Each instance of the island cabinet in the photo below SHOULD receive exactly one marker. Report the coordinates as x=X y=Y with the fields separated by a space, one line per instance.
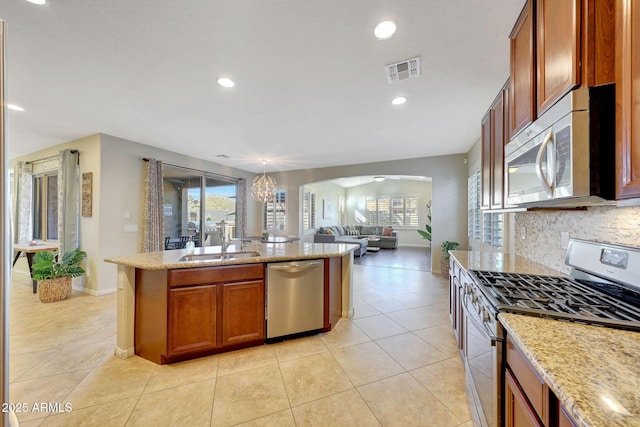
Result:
x=185 y=313
x=628 y=99
x=528 y=399
x=557 y=45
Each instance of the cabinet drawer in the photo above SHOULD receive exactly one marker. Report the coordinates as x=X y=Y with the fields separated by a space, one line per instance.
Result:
x=535 y=389
x=232 y=273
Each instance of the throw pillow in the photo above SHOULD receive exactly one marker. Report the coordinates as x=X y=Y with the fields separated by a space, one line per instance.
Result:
x=330 y=232
x=340 y=229
x=387 y=231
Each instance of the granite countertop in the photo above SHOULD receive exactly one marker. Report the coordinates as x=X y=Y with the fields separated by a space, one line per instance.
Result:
x=594 y=371
x=269 y=252
x=504 y=263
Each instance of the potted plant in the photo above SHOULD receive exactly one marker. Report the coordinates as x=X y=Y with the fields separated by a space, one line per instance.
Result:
x=54 y=275
x=444 y=259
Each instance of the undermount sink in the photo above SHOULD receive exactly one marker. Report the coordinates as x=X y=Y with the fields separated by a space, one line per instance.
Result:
x=218 y=257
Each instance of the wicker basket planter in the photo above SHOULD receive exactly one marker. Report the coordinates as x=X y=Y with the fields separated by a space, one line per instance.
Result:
x=444 y=265
x=51 y=290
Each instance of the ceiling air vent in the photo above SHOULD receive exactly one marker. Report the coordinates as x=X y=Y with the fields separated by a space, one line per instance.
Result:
x=403 y=70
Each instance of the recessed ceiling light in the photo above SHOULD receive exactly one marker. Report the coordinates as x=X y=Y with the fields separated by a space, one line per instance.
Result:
x=399 y=100
x=14 y=107
x=379 y=178
x=385 y=30
x=38 y=2
x=226 y=82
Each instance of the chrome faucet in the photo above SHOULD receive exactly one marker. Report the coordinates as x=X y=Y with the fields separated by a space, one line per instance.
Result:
x=223 y=236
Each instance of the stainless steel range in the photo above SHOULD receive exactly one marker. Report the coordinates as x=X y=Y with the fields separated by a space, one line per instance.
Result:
x=603 y=290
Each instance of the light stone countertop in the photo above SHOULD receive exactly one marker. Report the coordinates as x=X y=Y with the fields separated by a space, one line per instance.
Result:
x=504 y=263
x=269 y=252
x=594 y=371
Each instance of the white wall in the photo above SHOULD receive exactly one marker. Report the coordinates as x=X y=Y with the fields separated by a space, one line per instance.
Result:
x=449 y=191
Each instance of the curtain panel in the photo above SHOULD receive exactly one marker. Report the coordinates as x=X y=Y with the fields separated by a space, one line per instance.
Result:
x=241 y=208
x=24 y=204
x=153 y=219
x=69 y=200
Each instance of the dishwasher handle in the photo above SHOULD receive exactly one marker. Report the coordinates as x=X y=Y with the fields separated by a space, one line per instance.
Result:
x=295 y=267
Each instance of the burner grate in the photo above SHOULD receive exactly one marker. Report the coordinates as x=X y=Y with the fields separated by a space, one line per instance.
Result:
x=560 y=296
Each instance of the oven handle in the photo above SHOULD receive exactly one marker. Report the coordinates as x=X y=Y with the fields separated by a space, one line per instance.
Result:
x=548 y=187
x=483 y=327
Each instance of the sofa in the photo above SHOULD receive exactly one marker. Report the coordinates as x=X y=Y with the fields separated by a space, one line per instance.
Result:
x=386 y=237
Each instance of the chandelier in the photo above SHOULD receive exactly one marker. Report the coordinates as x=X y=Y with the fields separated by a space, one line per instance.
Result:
x=264 y=187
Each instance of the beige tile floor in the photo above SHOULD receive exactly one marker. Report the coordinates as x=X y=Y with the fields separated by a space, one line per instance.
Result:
x=394 y=364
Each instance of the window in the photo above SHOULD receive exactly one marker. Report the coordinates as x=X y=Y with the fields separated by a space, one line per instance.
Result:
x=45 y=207
x=309 y=210
x=474 y=230
x=488 y=226
x=195 y=204
x=392 y=210
x=493 y=229
x=275 y=212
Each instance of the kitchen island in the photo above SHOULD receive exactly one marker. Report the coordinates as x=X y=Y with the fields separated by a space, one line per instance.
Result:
x=173 y=307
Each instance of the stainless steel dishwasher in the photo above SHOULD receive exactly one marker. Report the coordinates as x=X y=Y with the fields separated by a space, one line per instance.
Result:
x=295 y=297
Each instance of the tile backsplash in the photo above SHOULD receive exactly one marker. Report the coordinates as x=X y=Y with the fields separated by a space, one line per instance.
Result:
x=538 y=234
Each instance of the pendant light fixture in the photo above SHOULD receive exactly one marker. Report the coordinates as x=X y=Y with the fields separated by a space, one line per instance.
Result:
x=264 y=187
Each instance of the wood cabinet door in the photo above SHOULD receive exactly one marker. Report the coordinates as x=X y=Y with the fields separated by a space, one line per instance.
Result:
x=558 y=50
x=486 y=167
x=522 y=110
x=497 y=151
x=627 y=99
x=192 y=319
x=518 y=411
x=242 y=312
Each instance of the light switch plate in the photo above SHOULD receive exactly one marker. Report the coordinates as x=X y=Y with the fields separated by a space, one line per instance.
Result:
x=131 y=228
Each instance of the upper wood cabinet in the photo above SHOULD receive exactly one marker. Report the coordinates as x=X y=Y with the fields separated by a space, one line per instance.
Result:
x=628 y=99
x=558 y=50
x=485 y=169
x=493 y=142
x=557 y=45
x=522 y=86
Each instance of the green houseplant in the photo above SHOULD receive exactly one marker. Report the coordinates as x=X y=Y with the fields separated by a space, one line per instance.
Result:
x=426 y=233
x=54 y=273
x=444 y=259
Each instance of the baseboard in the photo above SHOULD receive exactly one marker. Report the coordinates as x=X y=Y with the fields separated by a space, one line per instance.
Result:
x=123 y=353
x=413 y=246
x=94 y=292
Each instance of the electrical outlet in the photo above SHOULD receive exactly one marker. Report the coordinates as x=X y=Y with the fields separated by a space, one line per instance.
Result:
x=564 y=240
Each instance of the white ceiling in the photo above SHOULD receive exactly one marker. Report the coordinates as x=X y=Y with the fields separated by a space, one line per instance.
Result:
x=311 y=86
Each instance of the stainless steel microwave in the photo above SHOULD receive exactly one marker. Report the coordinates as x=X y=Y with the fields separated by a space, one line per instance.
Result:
x=567 y=156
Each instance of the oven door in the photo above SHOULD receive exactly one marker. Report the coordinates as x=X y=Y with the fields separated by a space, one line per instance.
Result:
x=483 y=364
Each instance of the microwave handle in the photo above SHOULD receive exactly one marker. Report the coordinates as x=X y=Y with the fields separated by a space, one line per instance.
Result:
x=541 y=176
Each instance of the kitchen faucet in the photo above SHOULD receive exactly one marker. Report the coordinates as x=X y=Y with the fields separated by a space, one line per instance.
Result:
x=223 y=236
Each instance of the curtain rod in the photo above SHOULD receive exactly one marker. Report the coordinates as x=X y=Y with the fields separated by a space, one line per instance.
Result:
x=146 y=159
x=44 y=159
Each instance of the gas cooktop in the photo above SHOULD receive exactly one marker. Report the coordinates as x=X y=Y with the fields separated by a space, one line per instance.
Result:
x=610 y=298
x=556 y=296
